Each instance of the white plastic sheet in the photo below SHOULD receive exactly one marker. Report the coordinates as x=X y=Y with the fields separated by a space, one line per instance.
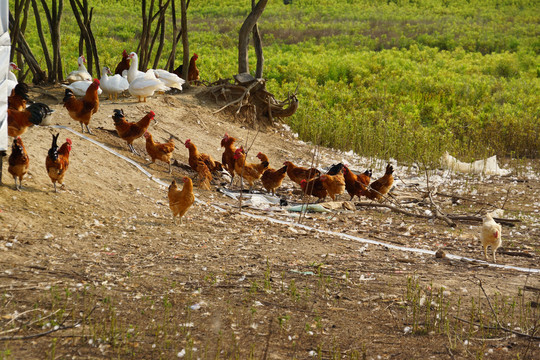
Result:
x=487 y=166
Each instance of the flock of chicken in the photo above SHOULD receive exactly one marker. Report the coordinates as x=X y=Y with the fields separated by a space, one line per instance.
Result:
x=338 y=179
x=81 y=100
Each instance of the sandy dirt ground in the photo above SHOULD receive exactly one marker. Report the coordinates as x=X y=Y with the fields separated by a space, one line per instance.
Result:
x=99 y=269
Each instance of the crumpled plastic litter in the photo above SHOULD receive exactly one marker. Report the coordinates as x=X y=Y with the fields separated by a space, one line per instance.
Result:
x=257 y=201
x=309 y=208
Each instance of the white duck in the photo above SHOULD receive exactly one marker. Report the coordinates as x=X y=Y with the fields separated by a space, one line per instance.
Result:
x=11 y=78
x=79 y=87
x=133 y=71
x=114 y=84
x=145 y=86
x=81 y=73
x=170 y=79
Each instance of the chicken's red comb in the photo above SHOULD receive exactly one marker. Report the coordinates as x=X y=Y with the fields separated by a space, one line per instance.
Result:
x=124 y=53
x=152 y=114
x=96 y=81
x=69 y=141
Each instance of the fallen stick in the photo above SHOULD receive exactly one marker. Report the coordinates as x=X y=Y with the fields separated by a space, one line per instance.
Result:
x=507 y=222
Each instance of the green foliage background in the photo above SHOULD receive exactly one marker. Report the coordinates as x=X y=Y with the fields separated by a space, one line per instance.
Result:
x=402 y=79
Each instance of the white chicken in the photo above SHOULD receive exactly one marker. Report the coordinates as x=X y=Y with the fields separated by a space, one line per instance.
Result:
x=490 y=235
x=145 y=86
x=113 y=85
x=79 y=87
x=11 y=78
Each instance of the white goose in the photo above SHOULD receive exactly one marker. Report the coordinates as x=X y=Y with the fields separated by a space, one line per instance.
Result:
x=114 y=84
x=79 y=87
x=81 y=73
x=133 y=71
x=145 y=86
x=170 y=79
x=11 y=78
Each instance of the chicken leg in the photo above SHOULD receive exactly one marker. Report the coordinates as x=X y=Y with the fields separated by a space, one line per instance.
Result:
x=17 y=187
x=132 y=149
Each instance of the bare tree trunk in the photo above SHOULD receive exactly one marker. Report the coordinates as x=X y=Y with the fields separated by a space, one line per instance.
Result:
x=19 y=26
x=243 y=38
x=185 y=42
x=160 y=25
x=142 y=49
x=177 y=35
x=147 y=42
x=23 y=48
x=42 y=38
x=169 y=66
x=19 y=6
x=55 y=39
x=56 y=75
x=20 y=58
x=257 y=44
x=161 y=41
x=87 y=38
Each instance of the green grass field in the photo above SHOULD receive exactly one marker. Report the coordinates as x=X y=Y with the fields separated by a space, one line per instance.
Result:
x=401 y=79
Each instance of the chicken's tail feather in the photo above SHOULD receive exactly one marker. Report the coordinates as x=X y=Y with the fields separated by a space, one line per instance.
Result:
x=68 y=94
x=218 y=166
x=53 y=151
x=335 y=169
x=21 y=89
x=38 y=112
x=282 y=170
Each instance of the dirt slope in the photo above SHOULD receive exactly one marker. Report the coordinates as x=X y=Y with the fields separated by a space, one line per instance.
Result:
x=223 y=284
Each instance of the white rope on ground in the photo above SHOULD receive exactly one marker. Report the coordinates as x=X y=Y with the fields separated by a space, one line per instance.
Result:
x=305 y=227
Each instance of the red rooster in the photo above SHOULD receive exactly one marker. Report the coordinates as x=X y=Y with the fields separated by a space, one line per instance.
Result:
x=18 y=162
x=82 y=109
x=57 y=161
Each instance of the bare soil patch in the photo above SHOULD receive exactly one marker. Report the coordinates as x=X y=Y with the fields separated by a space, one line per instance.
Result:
x=99 y=270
